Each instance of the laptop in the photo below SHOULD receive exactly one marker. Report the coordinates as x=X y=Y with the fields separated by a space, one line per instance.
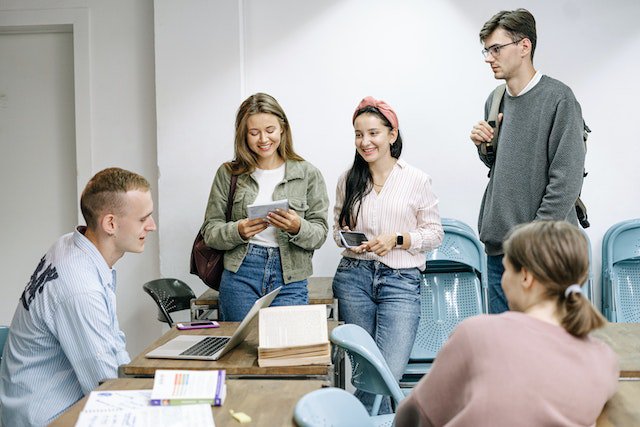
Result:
x=200 y=347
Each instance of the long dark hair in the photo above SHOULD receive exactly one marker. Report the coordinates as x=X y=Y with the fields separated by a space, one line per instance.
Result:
x=359 y=181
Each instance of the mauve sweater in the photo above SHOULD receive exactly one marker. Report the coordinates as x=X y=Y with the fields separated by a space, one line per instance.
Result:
x=511 y=369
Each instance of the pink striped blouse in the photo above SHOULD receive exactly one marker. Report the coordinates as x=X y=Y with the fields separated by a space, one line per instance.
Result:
x=406 y=203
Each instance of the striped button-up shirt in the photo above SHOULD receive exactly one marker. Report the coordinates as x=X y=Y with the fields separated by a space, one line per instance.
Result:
x=406 y=204
x=64 y=337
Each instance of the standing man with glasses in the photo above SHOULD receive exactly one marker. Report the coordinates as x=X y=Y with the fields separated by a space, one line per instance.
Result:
x=535 y=170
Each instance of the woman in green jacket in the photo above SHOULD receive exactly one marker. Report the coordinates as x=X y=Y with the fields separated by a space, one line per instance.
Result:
x=265 y=253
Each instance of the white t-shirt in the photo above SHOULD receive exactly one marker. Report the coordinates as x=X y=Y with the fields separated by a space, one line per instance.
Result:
x=267 y=180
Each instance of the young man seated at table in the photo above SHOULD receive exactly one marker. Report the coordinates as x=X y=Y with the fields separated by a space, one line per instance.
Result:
x=65 y=337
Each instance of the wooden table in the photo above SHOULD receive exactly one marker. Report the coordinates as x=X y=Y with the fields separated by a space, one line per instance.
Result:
x=241 y=362
x=320 y=292
x=624 y=339
x=267 y=402
x=623 y=409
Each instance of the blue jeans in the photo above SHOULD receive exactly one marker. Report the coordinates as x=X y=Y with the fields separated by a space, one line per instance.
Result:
x=497 y=299
x=259 y=274
x=386 y=303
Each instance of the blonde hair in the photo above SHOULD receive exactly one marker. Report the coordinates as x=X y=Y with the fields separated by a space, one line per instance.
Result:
x=246 y=160
x=103 y=193
x=556 y=253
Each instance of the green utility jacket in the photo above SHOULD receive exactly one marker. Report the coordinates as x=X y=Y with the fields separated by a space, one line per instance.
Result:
x=306 y=191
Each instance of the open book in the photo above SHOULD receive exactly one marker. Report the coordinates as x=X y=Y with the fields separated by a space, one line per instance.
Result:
x=130 y=408
x=293 y=335
x=188 y=387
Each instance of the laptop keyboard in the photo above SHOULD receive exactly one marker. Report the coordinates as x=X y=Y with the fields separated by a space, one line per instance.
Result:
x=207 y=347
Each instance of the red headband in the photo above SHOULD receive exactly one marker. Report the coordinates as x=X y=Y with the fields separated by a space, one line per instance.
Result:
x=382 y=106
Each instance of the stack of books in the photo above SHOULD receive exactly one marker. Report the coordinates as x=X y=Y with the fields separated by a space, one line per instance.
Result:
x=293 y=335
x=189 y=387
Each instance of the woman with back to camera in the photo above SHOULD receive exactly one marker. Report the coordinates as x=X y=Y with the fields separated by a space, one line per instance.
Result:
x=534 y=365
x=378 y=282
x=264 y=253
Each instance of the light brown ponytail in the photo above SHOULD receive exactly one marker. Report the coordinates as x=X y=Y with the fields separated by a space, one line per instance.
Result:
x=557 y=255
x=580 y=317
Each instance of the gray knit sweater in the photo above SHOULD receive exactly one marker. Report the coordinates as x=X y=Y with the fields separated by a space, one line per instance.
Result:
x=539 y=164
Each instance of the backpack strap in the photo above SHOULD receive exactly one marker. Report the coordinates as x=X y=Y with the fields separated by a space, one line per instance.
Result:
x=490 y=148
x=232 y=193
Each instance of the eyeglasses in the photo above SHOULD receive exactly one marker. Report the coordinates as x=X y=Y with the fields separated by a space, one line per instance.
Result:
x=495 y=49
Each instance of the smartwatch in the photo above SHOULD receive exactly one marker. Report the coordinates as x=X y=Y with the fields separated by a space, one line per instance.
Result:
x=399 y=240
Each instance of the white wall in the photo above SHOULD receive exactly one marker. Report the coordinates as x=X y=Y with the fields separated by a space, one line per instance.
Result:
x=423 y=57
x=121 y=118
x=319 y=59
x=29 y=95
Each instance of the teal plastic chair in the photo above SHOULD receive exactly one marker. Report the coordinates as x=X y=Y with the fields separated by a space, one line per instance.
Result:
x=4 y=333
x=457 y=223
x=169 y=295
x=369 y=370
x=337 y=408
x=454 y=287
x=621 y=272
x=587 y=286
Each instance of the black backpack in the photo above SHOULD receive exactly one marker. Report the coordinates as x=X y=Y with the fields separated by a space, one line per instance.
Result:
x=490 y=148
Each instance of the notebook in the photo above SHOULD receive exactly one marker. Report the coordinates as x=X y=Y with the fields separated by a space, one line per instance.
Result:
x=201 y=347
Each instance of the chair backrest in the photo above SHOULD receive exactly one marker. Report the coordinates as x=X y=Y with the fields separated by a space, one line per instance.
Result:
x=460 y=250
x=621 y=272
x=587 y=287
x=456 y=223
x=330 y=407
x=369 y=370
x=446 y=299
x=451 y=290
x=4 y=333
x=170 y=295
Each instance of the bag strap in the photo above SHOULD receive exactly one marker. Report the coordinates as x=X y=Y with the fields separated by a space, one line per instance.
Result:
x=232 y=193
x=490 y=148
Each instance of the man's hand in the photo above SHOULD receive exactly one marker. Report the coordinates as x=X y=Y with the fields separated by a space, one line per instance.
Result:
x=482 y=132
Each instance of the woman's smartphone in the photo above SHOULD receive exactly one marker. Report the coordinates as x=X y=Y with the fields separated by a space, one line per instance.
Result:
x=352 y=239
x=198 y=325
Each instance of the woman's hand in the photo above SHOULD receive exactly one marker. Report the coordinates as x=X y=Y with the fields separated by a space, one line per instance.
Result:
x=250 y=227
x=382 y=244
x=359 y=249
x=288 y=221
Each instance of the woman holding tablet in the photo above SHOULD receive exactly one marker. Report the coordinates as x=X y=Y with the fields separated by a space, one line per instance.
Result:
x=266 y=252
x=377 y=282
x=535 y=365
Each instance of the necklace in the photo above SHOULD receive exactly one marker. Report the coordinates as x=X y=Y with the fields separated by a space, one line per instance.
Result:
x=377 y=185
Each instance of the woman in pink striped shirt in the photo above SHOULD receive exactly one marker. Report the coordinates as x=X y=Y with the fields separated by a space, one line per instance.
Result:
x=378 y=283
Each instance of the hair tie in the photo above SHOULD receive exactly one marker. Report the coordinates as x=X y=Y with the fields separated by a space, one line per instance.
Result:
x=384 y=108
x=575 y=288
